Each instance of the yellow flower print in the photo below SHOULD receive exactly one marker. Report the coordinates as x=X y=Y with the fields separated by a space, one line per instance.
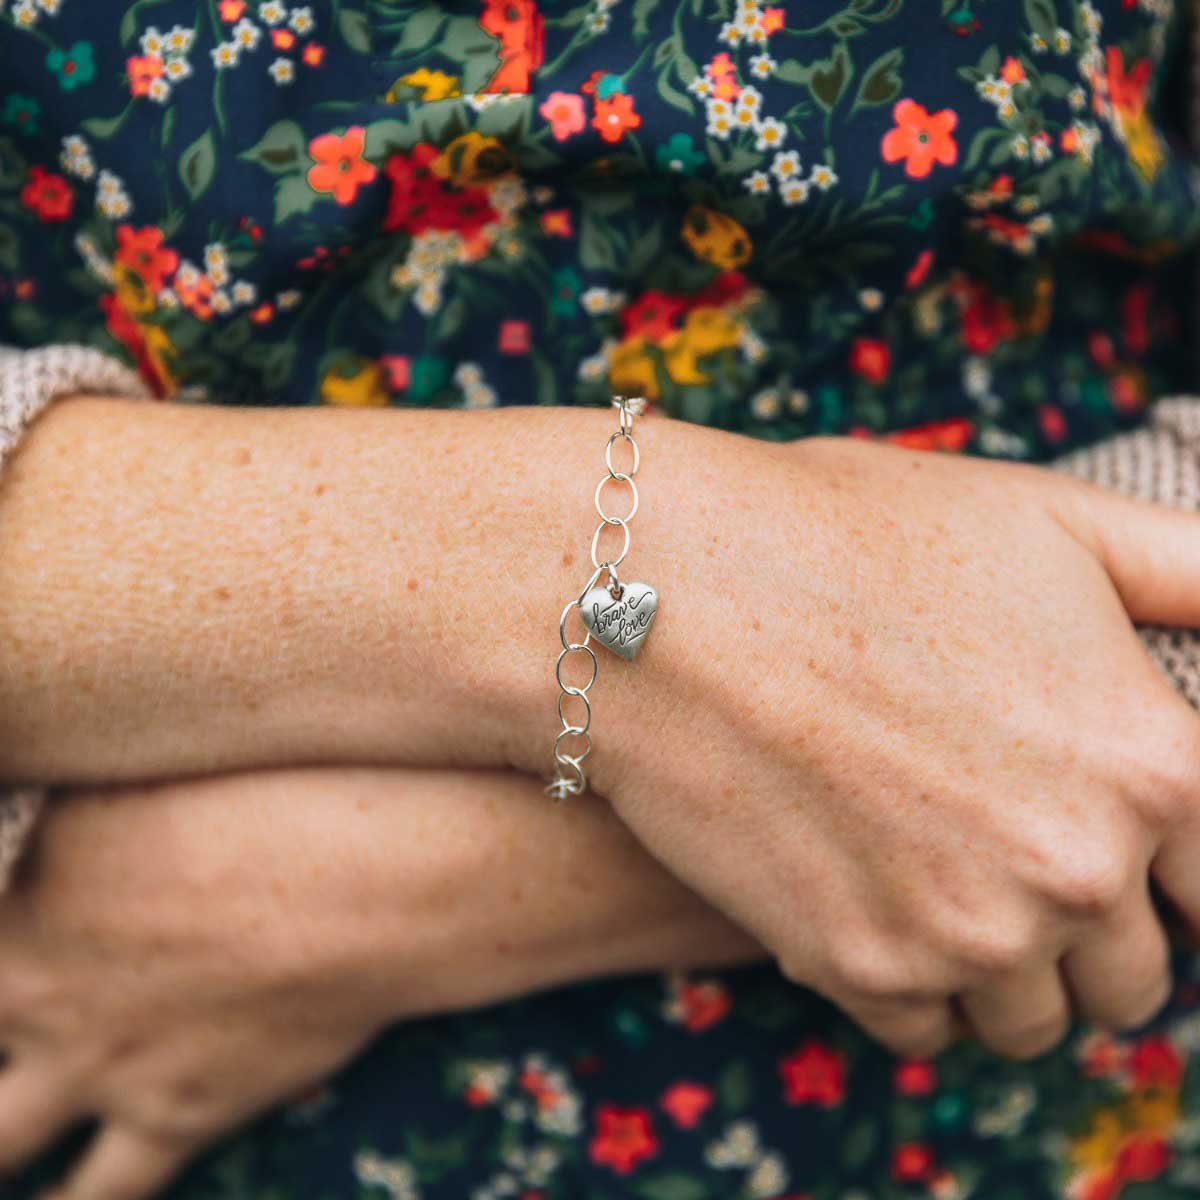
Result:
x=631 y=369
x=472 y=159
x=433 y=85
x=362 y=389
x=136 y=299
x=706 y=330
x=1154 y=1111
x=715 y=237
x=1100 y=1146
x=1145 y=148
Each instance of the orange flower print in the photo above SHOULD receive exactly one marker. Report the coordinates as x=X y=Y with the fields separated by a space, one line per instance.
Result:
x=615 y=116
x=143 y=72
x=920 y=138
x=521 y=30
x=340 y=167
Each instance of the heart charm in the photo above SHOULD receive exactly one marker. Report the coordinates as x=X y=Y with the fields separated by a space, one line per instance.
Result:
x=621 y=625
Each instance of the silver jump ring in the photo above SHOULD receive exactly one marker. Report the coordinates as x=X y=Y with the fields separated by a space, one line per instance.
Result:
x=637 y=455
x=571 y=689
x=587 y=704
x=618 y=477
x=596 y=541
x=562 y=628
x=572 y=731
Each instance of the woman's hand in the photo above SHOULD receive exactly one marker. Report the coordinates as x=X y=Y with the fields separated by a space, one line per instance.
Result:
x=177 y=958
x=894 y=719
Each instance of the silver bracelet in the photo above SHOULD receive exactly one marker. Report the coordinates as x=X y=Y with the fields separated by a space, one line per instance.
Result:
x=616 y=614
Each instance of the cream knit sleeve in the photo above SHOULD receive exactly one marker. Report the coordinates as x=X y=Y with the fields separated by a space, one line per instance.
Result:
x=29 y=381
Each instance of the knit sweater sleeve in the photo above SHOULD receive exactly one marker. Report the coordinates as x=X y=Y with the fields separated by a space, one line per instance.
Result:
x=29 y=381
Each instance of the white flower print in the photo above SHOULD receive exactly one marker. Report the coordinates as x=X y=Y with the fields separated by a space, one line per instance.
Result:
x=282 y=70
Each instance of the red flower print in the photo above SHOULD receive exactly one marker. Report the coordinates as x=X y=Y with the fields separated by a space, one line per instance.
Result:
x=465 y=212
x=521 y=30
x=478 y=1096
x=912 y=1162
x=721 y=290
x=914 y=1077
x=1126 y=90
x=24 y=289
x=48 y=196
x=654 y=315
x=416 y=191
x=1143 y=1157
x=920 y=138
x=1053 y=424
x=1100 y=347
x=514 y=337
x=556 y=222
x=263 y=313
x=398 y=370
x=1135 y=308
x=564 y=112
x=314 y=55
x=231 y=10
x=685 y=1103
x=772 y=20
x=703 y=1005
x=1102 y=1184
x=919 y=271
x=615 y=116
x=143 y=252
x=986 y=321
x=126 y=330
x=1128 y=390
x=340 y=167
x=815 y=1074
x=1156 y=1064
x=624 y=1137
x=870 y=358
x=950 y=435
x=282 y=39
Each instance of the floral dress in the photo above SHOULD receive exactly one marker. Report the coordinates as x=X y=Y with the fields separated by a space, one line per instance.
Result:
x=963 y=225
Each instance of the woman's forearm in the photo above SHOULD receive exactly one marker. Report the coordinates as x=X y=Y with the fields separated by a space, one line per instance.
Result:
x=195 y=588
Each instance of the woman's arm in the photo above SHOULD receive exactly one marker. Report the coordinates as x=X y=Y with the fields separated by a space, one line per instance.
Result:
x=189 y=589
x=294 y=914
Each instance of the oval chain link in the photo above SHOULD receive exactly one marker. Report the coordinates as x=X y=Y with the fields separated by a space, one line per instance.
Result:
x=569 y=778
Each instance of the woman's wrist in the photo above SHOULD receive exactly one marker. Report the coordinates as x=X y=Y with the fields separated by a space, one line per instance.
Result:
x=195 y=588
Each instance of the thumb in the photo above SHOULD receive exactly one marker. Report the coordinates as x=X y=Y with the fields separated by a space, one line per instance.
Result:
x=1150 y=551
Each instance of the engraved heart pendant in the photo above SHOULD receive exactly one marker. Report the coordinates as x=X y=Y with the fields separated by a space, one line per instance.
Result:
x=622 y=624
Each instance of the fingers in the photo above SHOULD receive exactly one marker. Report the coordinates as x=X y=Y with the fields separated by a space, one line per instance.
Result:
x=122 y=1164
x=34 y=1114
x=1121 y=975
x=910 y=1028
x=1150 y=551
x=1021 y=1014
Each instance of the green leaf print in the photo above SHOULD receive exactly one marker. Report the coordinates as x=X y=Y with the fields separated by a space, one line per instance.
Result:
x=1041 y=17
x=197 y=163
x=281 y=149
x=293 y=196
x=881 y=83
x=674 y=1185
x=355 y=31
x=828 y=78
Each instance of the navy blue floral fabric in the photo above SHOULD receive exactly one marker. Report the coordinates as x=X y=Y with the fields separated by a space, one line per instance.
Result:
x=962 y=225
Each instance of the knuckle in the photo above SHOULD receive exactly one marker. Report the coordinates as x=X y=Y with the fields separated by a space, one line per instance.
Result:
x=1138 y=1010
x=1090 y=883
x=863 y=968
x=991 y=949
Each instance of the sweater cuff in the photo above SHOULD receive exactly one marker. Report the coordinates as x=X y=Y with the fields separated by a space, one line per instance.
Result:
x=29 y=381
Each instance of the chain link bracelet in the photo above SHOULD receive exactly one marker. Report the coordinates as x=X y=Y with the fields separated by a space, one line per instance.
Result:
x=616 y=614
